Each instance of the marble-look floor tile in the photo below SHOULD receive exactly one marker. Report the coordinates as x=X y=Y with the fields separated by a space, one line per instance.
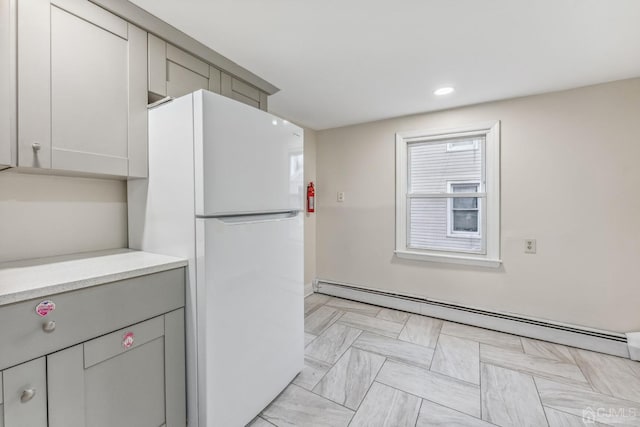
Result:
x=434 y=415
x=562 y=419
x=486 y=336
x=259 y=422
x=421 y=330
x=349 y=380
x=312 y=373
x=321 y=319
x=547 y=349
x=509 y=398
x=298 y=407
x=393 y=315
x=397 y=350
x=458 y=358
x=432 y=386
x=588 y=404
x=387 y=407
x=610 y=375
x=332 y=344
x=534 y=365
x=308 y=338
x=371 y=324
x=354 y=307
x=313 y=302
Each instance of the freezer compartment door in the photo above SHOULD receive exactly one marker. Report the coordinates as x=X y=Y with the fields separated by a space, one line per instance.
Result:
x=246 y=160
x=250 y=313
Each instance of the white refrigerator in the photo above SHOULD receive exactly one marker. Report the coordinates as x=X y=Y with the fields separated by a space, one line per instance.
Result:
x=225 y=190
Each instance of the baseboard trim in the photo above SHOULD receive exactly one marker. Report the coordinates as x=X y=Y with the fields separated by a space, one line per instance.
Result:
x=572 y=335
x=308 y=289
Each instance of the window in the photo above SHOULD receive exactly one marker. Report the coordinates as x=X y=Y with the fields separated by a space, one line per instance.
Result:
x=447 y=190
x=463 y=213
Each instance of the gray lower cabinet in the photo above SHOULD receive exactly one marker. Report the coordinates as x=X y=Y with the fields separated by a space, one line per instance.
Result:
x=133 y=377
x=106 y=355
x=23 y=401
x=81 y=89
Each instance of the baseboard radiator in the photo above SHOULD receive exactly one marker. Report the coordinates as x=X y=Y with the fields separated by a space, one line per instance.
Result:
x=571 y=335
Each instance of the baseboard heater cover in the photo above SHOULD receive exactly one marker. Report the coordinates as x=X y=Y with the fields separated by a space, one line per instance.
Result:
x=633 y=339
x=575 y=336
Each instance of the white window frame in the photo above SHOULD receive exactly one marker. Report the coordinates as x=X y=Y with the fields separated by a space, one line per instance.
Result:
x=490 y=192
x=465 y=234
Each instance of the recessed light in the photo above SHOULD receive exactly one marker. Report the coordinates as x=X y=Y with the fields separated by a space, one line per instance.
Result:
x=444 y=91
x=274 y=122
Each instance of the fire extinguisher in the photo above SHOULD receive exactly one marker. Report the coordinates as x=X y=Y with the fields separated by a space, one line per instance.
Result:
x=311 y=198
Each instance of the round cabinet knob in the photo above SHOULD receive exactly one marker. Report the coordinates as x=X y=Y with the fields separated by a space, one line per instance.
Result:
x=49 y=326
x=27 y=395
x=35 y=146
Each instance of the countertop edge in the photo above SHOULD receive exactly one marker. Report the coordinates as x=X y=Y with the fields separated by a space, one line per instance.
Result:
x=58 y=288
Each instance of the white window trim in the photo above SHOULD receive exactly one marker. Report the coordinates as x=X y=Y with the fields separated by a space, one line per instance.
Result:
x=464 y=234
x=491 y=220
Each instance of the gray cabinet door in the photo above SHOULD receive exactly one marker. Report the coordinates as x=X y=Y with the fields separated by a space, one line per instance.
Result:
x=7 y=84
x=157 y=67
x=174 y=72
x=132 y=377
x=24 y=395
x=89 y=66
x=243 y=92
x=181 y=80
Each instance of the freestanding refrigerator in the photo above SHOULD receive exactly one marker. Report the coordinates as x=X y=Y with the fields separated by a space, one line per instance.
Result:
x=225 y=190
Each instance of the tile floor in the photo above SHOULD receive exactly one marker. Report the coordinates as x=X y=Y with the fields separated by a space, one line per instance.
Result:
x=371 y=366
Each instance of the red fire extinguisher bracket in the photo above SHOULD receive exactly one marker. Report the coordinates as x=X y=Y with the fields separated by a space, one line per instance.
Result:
x=311 y=198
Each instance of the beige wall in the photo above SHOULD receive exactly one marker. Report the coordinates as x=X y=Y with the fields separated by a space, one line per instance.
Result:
x=52 y=215
x=570 y=177
x=310 y=218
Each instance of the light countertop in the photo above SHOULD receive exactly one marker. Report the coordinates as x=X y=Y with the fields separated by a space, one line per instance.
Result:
x=36 y=278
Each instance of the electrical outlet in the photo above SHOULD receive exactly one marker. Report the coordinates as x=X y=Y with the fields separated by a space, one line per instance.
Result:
x=530 y=246
x=341 y=196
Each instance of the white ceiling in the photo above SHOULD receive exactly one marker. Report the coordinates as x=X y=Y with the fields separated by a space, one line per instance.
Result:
x=339 y=62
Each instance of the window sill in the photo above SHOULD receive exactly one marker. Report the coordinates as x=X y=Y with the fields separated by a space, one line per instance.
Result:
x=450 y=259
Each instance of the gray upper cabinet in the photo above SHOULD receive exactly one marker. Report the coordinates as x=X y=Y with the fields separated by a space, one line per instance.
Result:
x=243 y=92
x=174 y=72
x=81 y=89
x=185 y=73
x=76 y=77
x=25 y=395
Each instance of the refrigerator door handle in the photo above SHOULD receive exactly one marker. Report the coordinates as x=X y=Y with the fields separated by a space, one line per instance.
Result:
x=255 y=218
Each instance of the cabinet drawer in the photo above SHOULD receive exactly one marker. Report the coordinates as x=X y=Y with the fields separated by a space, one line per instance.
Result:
x=84 y=314
x=111 y=345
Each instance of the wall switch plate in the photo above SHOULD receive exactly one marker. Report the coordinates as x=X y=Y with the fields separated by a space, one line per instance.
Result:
x=530 y=246
x=341 y=196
